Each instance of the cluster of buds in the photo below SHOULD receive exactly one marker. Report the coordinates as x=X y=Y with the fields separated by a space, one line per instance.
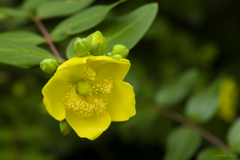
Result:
x=95 y=44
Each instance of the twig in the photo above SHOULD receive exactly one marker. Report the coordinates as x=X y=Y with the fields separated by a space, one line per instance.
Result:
x=202 y=132
x=47 y=37
x=199 y=130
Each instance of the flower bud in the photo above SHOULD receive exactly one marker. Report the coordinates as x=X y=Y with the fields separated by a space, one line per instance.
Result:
x=82 y=46
x=116 y=56
x=96 y=49
x=99 y=44
x=49 y=65
x=65 y=128
x=120 y=49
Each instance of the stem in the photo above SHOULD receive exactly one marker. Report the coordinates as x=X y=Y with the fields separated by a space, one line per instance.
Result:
x=47 y=37
x=184 y=121
x=202 y=132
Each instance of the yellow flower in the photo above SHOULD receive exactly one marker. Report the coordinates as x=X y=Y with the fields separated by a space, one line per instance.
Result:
x=89 y=93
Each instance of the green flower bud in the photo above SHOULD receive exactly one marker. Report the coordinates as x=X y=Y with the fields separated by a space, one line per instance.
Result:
x=65 y=128
x=120 y=49
x=116 y=56
x=99 y=43
x=97 y=49
x=82 y=46
x=49 y=65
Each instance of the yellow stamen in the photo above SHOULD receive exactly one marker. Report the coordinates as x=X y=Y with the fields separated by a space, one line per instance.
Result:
x=87 y=72
x=105 y=85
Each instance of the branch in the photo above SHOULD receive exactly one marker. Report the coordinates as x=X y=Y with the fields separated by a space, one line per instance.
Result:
x=202 y=132
x=47 y=37
x=184 y=121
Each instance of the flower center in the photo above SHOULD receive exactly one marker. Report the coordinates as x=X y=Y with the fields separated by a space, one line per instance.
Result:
x=83 y=108
x=85 y=88
x=83 y=98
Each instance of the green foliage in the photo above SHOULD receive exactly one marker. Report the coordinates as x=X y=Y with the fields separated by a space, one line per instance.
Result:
x=22 y=36
x=81 y=21
x=123 y=30
x=173 y=92
x=213 y=153
x=182 y=143
x=233 y=136
x=22 y=54
x=14 y=13
x=61 y=8
x=202 y=106
x=129 y=29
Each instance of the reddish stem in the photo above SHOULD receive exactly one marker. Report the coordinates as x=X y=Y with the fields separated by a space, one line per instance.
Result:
x=47 y=37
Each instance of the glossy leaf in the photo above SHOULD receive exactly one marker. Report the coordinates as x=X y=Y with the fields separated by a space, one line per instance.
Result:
x=129 y=29
x=213 y=153
x=182 y=143
x=233 y=136
x=61 y=8
x=172 y=93
x=22 y=36
x=22 y=55
x=203 y=105
x=81 y=21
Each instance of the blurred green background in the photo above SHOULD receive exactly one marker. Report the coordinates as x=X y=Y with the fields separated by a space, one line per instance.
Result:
x=188 y=47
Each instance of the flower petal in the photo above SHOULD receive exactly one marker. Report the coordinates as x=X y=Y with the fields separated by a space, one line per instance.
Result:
x=106 y=67
x=91 y=127
x=121 y=101
x=53 y=96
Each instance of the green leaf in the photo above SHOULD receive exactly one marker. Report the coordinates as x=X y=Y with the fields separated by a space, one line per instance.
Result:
x=31 y=5
x=202 y=106
x=14 y=12
x=173 y=92
x=213 y=153
x=61 y=8
x=182 y=143
x=22 y=55
x=81 y=21
x=129 y=29
x=22 y=36
x=233 y=136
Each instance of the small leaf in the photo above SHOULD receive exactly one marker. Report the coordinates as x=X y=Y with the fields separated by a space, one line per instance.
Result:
x=173 y=92
x=233 y=136
x=81 y=21
x=129 y=29
x=182 y=143
x=213 y=153
x=202 y=106
x=61 y=8
x=22 y=55
x=22 y=36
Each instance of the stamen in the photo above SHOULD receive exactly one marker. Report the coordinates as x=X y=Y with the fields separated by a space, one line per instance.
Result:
x=105 y=85
x=81 y=107
x=87 y=72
